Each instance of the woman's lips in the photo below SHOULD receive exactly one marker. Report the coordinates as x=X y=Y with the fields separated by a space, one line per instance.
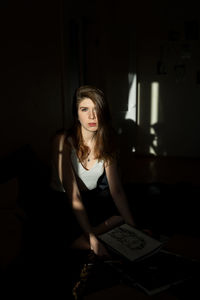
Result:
x=92 y=124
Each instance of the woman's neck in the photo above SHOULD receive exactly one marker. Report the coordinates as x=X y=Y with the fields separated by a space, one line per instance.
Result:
x=88 y=137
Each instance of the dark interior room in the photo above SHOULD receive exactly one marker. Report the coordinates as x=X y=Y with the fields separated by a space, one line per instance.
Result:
x=145 y=56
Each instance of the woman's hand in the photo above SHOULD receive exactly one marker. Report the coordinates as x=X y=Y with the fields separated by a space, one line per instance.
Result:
x=98 y=247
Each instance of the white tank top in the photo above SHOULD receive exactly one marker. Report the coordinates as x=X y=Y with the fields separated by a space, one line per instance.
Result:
x=88 y=177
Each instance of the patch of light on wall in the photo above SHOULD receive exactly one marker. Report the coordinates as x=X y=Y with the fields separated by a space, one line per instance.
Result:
x=154 y=112
x=138 y=104
x=131 y=112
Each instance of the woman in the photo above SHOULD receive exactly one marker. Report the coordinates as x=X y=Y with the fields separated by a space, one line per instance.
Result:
x=81 y=157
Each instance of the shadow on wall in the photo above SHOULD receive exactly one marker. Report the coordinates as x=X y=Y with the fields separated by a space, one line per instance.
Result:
x=132 y=141
x=160 y=143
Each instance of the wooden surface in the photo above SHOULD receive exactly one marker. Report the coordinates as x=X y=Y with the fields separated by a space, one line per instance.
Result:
x=180 y=244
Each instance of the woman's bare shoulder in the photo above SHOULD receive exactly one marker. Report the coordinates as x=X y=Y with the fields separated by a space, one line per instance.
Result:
x=110 y=162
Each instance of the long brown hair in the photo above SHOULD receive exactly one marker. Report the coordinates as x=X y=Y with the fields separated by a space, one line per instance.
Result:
x=105 y=145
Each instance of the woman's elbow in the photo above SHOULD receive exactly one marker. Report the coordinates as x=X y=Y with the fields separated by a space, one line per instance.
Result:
x=117 y=193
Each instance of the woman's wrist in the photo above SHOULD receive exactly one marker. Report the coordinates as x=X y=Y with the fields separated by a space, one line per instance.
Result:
x=92 y=241
x=92 y=236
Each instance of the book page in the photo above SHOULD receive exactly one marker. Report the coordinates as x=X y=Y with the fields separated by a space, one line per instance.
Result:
x=130 y=242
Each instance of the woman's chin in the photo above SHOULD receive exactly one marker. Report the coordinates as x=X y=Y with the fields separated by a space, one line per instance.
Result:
x=93 y=129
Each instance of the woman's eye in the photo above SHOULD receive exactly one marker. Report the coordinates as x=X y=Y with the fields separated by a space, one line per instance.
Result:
x=84 y=109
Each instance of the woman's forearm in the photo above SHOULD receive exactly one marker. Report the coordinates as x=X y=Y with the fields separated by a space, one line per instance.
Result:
x=81 y=215
x=123 y=207
x=88 y=231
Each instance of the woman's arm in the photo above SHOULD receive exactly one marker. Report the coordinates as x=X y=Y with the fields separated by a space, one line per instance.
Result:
x=62 y=153
x=117 y=192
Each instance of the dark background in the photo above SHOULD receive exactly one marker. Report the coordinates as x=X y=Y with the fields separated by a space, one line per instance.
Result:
x=48 y=48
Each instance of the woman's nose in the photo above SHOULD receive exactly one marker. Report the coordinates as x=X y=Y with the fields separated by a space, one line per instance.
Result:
x=92 y=115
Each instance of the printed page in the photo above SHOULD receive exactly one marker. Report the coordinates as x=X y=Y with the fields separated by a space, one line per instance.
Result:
x=130 y=242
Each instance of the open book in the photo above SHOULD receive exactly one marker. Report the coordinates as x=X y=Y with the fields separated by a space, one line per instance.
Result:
x=143 y=263
x=130 y=243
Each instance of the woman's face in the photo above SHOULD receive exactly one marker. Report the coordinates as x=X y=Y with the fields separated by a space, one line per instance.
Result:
x=87 y=115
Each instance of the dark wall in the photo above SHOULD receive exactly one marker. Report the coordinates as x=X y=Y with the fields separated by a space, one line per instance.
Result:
x=159 y=42
x=30 y=74
x=49 y=48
